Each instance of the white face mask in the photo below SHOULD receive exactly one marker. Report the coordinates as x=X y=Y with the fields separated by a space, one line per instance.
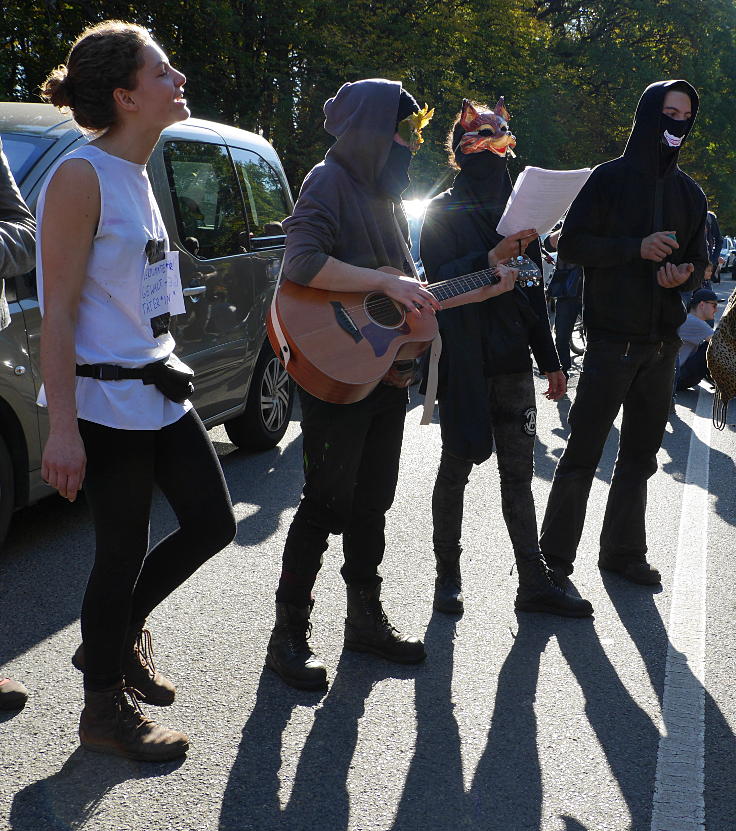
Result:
x=673 y=132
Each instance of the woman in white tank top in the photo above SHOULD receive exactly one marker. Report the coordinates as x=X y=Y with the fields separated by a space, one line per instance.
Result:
x=100 y=235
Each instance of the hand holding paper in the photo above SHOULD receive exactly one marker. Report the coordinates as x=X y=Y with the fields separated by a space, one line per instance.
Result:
x=539 y=198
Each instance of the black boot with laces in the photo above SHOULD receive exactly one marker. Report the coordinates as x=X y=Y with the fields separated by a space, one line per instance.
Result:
x=540 y=591
x=367 y=629
x=289 y=655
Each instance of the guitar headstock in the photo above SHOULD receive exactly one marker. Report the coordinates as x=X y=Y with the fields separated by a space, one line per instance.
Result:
x=529 y=273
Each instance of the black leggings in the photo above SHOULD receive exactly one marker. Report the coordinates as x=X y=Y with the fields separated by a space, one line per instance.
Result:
x=125 y=585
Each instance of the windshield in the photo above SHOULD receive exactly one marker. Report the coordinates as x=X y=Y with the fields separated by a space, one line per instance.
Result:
x=23 y=151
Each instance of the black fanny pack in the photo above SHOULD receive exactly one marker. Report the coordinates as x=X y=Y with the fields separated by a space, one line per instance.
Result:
x=171 y=379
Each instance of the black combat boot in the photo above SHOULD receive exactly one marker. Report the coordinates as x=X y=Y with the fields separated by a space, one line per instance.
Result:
x=289 y=655
x=539 y=591
x=448 y=586
x=367 y=629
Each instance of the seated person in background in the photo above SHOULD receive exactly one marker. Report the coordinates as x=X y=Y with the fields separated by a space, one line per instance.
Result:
x=695 y=333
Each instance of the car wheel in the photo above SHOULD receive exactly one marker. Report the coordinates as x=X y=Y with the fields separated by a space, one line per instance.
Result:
x=7 y=490
x=577 y=339
x=268 y=409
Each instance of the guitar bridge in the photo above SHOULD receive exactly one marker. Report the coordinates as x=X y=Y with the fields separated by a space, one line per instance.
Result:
x=345 y=322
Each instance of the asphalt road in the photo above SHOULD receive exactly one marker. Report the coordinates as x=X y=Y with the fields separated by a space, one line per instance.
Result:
x=514 y=723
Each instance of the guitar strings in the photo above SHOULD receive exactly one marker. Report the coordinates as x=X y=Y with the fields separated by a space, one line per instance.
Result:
x=474 y=280
x=386 y=303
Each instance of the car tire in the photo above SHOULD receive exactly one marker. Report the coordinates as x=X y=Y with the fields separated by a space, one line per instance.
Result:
x=267 y=413
x=7 y=490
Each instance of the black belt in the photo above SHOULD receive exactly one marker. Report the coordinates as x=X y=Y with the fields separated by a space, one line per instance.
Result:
x=108 y=372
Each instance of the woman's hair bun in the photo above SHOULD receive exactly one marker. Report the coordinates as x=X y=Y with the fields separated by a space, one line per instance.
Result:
x=55 y=89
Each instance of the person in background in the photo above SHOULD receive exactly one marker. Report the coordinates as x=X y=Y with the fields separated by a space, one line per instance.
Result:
x=568 y=303
x=101 y=238
x=695 y=333
x=638 y=229
x=17 y=255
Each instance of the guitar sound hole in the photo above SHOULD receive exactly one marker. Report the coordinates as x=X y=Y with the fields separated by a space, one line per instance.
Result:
x=383 y=311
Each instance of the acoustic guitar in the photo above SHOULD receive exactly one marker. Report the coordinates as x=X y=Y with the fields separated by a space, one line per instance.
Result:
x=338 y=345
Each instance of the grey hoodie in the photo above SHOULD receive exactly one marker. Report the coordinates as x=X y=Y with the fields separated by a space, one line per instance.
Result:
x=17 y=234
x=340 y=211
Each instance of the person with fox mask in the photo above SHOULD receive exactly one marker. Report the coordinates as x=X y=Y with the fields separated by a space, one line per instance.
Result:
x=486 y=388
x=638 y=229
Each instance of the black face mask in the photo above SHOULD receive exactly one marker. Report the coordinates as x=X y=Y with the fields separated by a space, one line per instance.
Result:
x=672 y=132
x=393 y=180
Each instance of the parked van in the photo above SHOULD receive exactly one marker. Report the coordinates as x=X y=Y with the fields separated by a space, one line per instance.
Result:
x=222 y=194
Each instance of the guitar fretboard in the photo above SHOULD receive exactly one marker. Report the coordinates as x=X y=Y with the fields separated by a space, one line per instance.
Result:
x=468 y=282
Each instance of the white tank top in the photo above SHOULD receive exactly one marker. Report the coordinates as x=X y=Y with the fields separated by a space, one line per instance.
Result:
x=110 y=325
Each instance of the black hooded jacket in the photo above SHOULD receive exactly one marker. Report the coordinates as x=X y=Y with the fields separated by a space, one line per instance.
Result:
x=479 y=339
x=615 y=210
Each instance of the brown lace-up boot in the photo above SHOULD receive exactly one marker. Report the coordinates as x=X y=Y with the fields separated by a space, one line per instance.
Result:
x=139 y=668
x=113 y=722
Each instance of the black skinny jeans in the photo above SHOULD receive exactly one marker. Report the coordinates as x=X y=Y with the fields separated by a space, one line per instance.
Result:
x=125 y=585
x=639 y=377
x=513 y=424
x=351 y=466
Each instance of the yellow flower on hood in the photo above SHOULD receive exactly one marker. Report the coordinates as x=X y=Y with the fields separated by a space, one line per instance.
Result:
x=410 y=129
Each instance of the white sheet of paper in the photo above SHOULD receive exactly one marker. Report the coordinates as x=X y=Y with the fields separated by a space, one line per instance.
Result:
x=539 y=199
x=161 y=288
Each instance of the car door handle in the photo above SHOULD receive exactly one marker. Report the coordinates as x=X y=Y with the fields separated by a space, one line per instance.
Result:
x=194 y=290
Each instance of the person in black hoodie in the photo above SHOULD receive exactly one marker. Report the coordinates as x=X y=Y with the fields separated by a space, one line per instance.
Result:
x=638 y=229
x=344 y=227
x=486 y=388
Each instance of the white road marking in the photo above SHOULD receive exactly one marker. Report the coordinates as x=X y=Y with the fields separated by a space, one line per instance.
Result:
x=679 y=803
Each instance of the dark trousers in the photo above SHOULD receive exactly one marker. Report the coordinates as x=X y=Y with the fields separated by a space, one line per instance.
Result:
x=351 y=466
x=513 y=424
x=125 y=585
x=639 y=377
x=567 y=310
x=695 y=368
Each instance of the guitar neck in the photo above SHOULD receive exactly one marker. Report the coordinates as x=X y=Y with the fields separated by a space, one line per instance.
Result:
x=528 y=276
x=460 y=285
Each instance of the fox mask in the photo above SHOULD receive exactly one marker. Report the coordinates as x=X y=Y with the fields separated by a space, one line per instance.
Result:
x=488 y=130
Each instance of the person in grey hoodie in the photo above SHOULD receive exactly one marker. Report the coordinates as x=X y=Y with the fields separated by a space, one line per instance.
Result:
x=344 y=227
x=17 y=255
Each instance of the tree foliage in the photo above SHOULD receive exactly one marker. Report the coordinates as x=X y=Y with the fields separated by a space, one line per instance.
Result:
x=571 y=72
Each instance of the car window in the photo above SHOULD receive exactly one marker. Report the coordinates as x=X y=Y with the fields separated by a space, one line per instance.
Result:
x=23 y=151
x=263 y=191
x=209 y=209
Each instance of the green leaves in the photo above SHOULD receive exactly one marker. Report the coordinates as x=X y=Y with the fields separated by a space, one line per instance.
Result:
x=571 y=72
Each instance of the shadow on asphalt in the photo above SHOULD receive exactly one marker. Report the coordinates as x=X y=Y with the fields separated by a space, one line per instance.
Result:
x=636 y=608
x=70 y=797
x=506 y=791
x=319 y=797
x=722 y=467
x=51 y=544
